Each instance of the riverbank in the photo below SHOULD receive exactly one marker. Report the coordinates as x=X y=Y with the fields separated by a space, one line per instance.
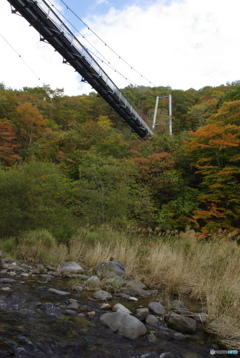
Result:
x=183 y=266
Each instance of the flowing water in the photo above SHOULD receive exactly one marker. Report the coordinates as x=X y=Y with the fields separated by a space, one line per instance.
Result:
x=34 y=323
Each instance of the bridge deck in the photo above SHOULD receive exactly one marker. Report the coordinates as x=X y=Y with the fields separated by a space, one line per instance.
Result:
x=52 y=29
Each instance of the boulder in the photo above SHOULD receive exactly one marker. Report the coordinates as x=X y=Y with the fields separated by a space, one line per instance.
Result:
x=108 y=269
x=118 y=307
x=116 y=281
x=93 y=281
x=136 y=284
x=157 y=308
x=124 y=324
x=152 y=320
x=135 y=291
x=181 y=323
x=142 y=313
x=179 y=307
x=69 y=267
x=102 y=295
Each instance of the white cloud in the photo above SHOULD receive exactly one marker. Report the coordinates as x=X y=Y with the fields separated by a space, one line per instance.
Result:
x=183 y=44
x=186 y=44
x=39 y=56
x=100 y=2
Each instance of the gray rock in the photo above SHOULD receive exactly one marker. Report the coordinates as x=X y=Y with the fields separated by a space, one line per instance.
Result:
x=5 y=289
x=178 y=336
x=108 y=269
x=166 y=333
x=123 y=295
x=134 y=291
x=181 y=323
x=169 y=355
x=73 y=305
x=102 y=295
x=152 y=320
x=69 y=267
x=58 y=292
x=117 y=280
x=157 y=308
x=47 y=276
x=136 y=284
x=201 y=317
x=118 y=307
x=124 y=324
x=12 y=266
x=7 y=280
x=93 y=281
x=105 y=306
x=179 y=307
x=142 y=313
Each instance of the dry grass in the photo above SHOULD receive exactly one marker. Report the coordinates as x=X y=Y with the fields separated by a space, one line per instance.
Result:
x=176 y=264
x=106 y=245
x=209 y=272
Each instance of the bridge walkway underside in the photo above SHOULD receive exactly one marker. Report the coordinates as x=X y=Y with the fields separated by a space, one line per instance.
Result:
x=53 y=30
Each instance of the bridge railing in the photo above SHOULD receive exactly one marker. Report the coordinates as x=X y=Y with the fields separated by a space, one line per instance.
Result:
x=84 y=53
x=41 y=15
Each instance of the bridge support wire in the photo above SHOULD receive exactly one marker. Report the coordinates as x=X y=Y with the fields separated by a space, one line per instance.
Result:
x=53 y=30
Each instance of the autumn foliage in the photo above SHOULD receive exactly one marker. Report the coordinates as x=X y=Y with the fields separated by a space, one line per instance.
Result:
x=113 y=177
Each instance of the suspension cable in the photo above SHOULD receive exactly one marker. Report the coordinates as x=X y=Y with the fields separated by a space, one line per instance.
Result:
x=103 y=59
x=115 y=53
x=26 y=64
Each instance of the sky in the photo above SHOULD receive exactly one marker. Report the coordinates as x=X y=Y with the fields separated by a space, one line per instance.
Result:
x=178 y=43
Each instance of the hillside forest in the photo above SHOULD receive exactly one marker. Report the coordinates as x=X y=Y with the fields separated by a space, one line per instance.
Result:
x=68 y=162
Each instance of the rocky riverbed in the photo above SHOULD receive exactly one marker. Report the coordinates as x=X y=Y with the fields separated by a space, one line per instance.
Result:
x=67 y=311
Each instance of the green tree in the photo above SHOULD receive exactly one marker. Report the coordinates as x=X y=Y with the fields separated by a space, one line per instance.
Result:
x=107 y=192
x=35 y=196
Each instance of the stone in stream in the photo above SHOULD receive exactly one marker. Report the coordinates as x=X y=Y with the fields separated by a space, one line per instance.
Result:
x=12 y=266
x=108 y=269
x=181 y=323
x=73 y=305
x=7 y=280
x=58 y=292
x=118 y=307
x=124 y=324
x=102 y=295
x=157 y=308
x=179 y=307
x=69 y=267
x=142 y=313
x=92 y=281
x=152 y=320
x=105 y=306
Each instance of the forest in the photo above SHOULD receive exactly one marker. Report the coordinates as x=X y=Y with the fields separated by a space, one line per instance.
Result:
x=68 y=162
x=76 y=184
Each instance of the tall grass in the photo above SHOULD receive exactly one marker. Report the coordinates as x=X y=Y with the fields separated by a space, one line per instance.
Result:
x=179 y=264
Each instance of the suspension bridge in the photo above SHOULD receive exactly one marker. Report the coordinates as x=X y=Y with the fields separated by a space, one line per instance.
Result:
x=53 y=30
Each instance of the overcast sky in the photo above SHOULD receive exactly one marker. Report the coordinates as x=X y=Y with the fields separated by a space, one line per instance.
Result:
x=178 y=43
